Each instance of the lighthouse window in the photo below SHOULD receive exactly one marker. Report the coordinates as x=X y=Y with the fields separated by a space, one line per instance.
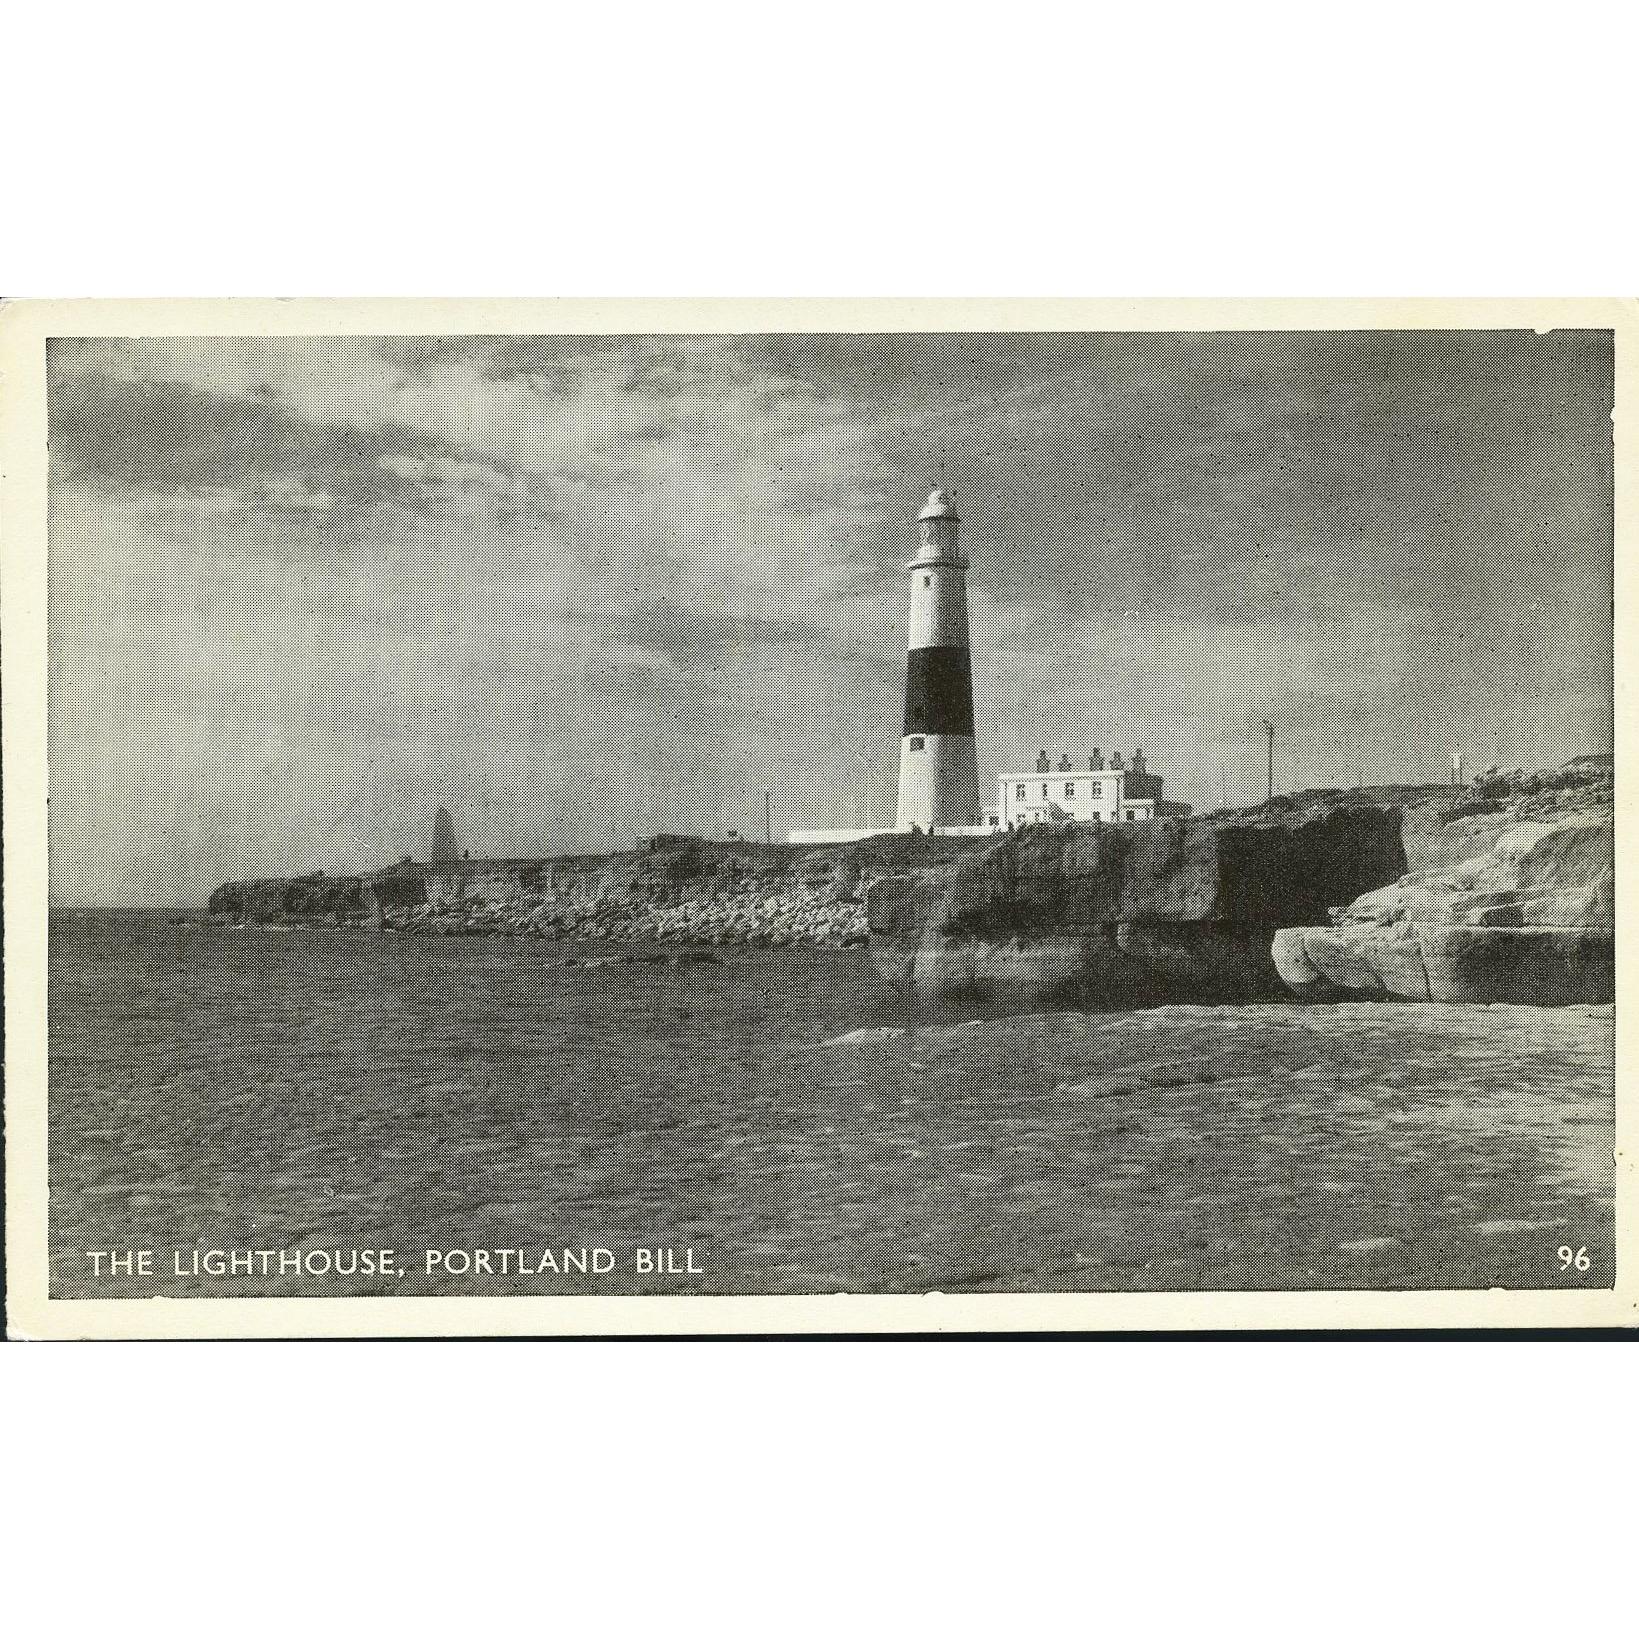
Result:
x=916 y=742
x=927 y=580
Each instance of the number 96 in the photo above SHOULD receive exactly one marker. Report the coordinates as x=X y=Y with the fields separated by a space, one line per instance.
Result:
x=1577 y=1259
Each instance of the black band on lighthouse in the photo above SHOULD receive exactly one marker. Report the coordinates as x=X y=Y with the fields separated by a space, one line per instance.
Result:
x=938 y=692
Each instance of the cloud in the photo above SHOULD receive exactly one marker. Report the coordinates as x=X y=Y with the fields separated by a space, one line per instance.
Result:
x=165 y=439
x=563 y=582
x=693 y=641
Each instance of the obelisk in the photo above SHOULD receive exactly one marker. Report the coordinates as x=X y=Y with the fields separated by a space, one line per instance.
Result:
x=444 y=850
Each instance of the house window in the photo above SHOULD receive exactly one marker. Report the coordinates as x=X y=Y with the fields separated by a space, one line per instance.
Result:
x=1098 y=788
x=916 y=744
x=1044 y=790
x=1069 y=789
x=1129 y=813
x=927 y=580
x=1019 y=793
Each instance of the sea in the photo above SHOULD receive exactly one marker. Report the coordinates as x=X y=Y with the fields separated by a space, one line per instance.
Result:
x=319 y=1090
x=344 y=1112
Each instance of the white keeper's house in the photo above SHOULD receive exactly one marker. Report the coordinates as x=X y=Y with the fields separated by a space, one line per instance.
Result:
x=1102 y=793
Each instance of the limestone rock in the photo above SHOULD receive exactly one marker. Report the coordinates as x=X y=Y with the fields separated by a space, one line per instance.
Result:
x=1535 y=875
x=1528 y=920
x=1430 y=962
x=1174 y=909
x=677 y=891
x=867 y=1034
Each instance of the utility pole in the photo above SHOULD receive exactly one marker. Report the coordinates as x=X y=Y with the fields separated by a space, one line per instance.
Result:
x=768 y=830
x=1269 y=732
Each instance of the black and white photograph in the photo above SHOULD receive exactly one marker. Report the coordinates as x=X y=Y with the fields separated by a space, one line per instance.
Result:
x=1011 y=811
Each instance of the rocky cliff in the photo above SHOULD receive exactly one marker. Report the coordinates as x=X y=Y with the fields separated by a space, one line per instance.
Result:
x=1512 y=900
x=677 y=890
x=1167 y=910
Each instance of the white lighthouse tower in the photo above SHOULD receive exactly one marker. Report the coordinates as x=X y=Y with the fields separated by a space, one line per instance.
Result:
x=938 y=766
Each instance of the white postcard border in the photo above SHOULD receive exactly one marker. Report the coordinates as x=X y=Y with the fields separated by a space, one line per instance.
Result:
x=24 y=328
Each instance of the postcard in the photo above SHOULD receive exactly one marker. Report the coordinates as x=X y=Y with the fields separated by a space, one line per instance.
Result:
x=790 y=817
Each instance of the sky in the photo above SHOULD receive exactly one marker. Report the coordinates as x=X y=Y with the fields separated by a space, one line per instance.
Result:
x=583 y=589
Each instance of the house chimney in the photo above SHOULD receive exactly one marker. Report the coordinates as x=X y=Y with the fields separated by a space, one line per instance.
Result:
x=1043 y=762
x=1115 y=759
x=1064 y=763
x=1097 y=758
x=1138 y=760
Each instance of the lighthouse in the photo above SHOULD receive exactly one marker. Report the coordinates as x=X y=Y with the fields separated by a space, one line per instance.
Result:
x=938 y=767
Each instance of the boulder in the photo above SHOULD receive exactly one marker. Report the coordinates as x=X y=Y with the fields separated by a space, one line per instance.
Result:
x=1530 y=919
x=1534 y=875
